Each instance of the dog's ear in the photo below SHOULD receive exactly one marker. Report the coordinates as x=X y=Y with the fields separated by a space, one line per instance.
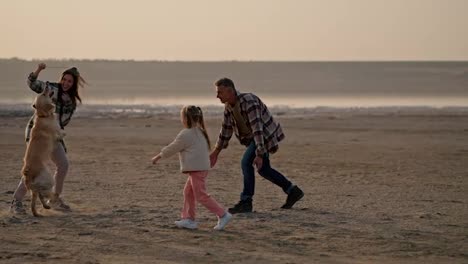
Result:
x=46 y=90
x=50 y=107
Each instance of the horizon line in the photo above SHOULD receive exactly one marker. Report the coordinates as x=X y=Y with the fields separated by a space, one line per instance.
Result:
x=227 y=60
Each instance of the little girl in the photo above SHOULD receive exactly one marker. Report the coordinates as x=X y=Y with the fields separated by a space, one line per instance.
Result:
x=193 y=146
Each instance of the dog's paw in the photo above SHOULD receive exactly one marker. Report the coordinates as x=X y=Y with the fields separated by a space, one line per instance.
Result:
x=37 y=215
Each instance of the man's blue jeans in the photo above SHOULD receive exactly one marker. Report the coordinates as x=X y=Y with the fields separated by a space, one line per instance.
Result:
x=266 y=171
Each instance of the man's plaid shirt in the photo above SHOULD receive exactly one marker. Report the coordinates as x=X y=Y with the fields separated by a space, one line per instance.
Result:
x=265 y=131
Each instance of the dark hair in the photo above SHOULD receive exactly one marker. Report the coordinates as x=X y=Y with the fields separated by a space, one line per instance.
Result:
x=78 y=81
x=194 y=117
x=226 y=82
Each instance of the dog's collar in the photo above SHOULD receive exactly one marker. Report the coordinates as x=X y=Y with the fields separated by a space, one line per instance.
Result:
x=44 y=115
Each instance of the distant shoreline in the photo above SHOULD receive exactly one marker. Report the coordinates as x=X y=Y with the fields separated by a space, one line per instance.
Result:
x=298 y=85
x=172 y=111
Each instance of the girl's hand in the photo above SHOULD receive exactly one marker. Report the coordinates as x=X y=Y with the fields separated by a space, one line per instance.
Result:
x=41 y=66
x=214 y=157
x=156 y=158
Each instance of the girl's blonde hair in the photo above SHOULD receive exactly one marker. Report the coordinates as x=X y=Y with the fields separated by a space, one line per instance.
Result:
x=193 y=117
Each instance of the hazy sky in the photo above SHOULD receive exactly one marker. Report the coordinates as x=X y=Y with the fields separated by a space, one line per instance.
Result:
x=235 y=30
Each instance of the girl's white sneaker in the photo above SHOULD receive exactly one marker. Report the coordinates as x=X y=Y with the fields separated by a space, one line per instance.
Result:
x=222 y=221
x=186 y=223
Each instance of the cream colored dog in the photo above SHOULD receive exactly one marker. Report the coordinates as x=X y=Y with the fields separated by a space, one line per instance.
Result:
x=45 y=135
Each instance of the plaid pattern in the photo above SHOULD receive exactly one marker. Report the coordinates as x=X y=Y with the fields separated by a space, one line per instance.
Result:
x=265 y=131
x=68 y=107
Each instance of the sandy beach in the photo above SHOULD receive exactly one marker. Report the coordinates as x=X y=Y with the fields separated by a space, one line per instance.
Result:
x=378 y=189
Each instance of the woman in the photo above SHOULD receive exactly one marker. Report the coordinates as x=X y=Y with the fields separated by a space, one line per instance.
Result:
x=65 y=96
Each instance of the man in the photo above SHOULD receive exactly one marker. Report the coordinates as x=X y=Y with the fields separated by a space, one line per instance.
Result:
x=254 y=126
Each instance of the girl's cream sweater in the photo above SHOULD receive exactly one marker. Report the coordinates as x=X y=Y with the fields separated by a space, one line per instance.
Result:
x=193 y=150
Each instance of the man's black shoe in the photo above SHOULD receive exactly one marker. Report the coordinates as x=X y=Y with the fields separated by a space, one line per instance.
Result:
x=295 y=195
x=241 y=207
